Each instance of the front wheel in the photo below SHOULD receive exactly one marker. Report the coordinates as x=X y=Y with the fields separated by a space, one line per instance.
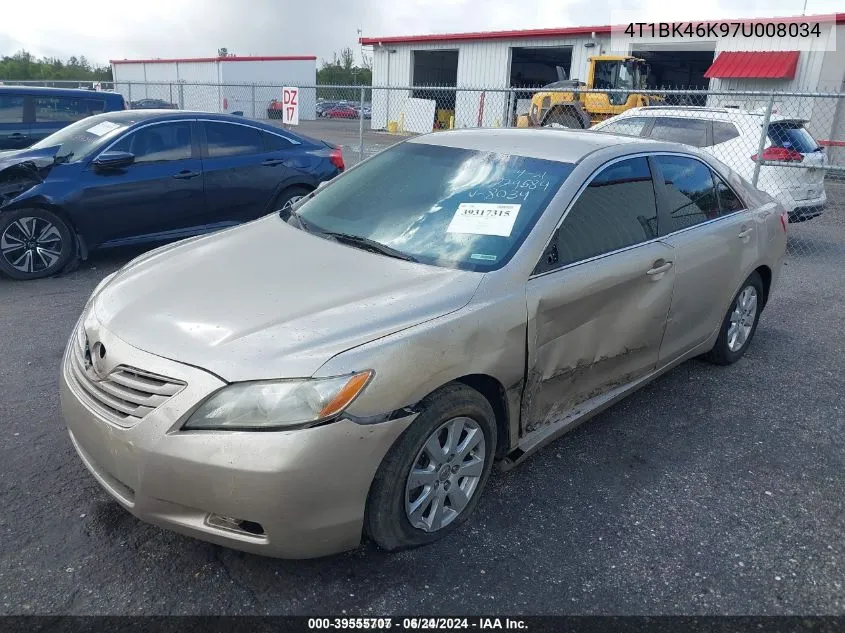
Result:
x=34 y=243
x=432 y=478
x=739 y=324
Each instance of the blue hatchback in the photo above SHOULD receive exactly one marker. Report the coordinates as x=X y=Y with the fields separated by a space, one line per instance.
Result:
x=29 y=114
x=146 y=176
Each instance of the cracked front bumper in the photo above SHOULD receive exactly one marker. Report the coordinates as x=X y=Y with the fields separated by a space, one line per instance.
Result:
x=306 y=489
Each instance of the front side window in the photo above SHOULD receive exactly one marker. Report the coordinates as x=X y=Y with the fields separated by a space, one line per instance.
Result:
x=11 y=109
x=616 y=210
x=446 y=206
x=688 y=131
x=156 y=143
x=689 y=192
x=60 y=109
x=228 y=139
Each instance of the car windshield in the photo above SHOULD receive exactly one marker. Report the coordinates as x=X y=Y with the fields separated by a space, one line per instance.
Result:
x=450 y=207
x=79 y=139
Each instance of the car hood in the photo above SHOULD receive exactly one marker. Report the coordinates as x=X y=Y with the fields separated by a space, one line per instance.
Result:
x=41 y=157
x=267 y=300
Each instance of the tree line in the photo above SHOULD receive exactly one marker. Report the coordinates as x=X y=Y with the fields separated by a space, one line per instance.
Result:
x=343 y=71
x=25 y=66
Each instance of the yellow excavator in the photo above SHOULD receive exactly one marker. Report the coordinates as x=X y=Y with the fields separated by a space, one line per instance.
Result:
x=564 y=104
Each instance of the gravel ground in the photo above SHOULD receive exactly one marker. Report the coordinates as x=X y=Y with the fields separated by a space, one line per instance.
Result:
x=711 y=491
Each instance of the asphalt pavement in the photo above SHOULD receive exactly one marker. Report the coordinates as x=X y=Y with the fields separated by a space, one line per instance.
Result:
x=714 y=490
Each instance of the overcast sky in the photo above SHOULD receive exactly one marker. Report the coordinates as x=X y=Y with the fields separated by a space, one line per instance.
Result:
x=104 y=29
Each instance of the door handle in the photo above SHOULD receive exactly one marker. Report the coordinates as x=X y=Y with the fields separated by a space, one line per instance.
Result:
x=657 y=270
x=272 y=162
x=745 y=233
x=17 y=135
x=185 y=174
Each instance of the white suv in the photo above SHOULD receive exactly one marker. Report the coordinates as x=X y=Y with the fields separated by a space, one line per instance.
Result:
x=733 y=136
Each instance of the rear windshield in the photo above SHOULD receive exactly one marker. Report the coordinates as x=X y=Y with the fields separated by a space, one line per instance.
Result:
x=792 y=135
x=450 y=207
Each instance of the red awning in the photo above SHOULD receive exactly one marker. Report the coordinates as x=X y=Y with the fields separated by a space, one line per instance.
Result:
x=754 y=65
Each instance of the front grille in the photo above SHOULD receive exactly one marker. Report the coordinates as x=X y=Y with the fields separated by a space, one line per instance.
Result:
x=126 y=395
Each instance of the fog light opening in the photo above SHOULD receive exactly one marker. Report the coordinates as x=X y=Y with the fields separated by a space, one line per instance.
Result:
x=235 y=525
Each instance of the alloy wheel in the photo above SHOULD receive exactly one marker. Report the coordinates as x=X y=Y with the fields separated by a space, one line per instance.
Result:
x=445 y=474
x=31 y=245
x=742 y=318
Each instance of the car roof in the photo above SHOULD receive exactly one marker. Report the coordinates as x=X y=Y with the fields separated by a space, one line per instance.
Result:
x=566 y=146
x=57 y=92
x=702 y=112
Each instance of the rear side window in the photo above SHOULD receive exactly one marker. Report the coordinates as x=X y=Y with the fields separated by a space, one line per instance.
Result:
x=62 y=109
x=628 y=126
x=729 y=202
x=95 y=106
x=688 y=131
x=163 y=142
x=723 y=132
x=617 y=209
x=11 y=109
x=274 y=142
x=792 y=135
x=690 y=192
x=226 y=139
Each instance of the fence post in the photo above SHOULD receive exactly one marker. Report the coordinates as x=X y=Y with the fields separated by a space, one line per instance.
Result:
x=130 y=91
x=253 y=101
x=171 y=92
x=361 y=127
x=764 y=131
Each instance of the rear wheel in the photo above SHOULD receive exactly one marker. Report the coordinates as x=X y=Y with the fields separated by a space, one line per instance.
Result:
x=34 y=243
x=739 y=324
x=290 y=197
x=431 y=480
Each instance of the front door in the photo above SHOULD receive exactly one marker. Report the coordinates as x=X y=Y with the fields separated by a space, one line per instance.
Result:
x=158 y=197
x=599 y=298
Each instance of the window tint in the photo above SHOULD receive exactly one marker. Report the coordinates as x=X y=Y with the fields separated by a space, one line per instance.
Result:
x=226 y=139
x=274 y=142
x=689 y=192
x=95 y=106
x=617 y=209
x=792 y=135
x=728 y=200
x=60 y=109
x=11 y=109
x=723 y=131
x=688 y=131
x=629 y=126
x=166 y=141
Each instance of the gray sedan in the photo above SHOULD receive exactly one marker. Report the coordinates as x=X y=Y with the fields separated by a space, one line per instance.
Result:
x=357 y=363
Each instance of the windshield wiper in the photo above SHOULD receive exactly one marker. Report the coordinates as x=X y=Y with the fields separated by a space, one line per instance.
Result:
x=366 y=243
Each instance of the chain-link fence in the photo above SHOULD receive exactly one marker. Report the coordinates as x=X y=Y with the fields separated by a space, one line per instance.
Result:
x=790 y=145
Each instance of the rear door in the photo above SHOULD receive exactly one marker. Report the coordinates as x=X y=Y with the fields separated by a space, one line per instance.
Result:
x=160 y=196
x=14 y=132
x=242 y=170
x=712 y=233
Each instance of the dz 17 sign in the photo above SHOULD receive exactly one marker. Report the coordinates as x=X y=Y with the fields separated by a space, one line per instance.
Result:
x=290 y=106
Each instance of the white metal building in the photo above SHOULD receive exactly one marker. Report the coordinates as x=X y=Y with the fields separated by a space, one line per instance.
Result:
x=219 y=84
x=487 y=61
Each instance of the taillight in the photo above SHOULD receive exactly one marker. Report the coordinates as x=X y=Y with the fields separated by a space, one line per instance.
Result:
x=336 y=157
x=783 y=154
x=784 y=220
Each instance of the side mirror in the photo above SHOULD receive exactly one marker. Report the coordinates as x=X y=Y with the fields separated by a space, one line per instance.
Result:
x=113 y=160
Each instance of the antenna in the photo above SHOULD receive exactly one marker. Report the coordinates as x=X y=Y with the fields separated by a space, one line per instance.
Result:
x=804 y=10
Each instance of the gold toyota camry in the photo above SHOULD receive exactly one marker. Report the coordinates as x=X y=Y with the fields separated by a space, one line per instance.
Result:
x=356 y=364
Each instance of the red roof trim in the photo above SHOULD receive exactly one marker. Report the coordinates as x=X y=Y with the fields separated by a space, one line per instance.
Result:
x=278 y=58
x=753 y=65
x=571 y=30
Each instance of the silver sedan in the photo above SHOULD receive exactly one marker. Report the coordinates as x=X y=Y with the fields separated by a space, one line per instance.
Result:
x=358 y=363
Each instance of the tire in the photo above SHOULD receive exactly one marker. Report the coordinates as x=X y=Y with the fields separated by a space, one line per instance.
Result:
x=387 y=522
x=35 y=243
x=727 y=349
x=289 y=196
x=563 y=119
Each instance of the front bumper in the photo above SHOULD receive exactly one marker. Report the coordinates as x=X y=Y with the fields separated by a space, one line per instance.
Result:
x=305 y=489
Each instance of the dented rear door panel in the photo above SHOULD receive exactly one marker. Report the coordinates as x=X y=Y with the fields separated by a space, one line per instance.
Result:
x=592 y=327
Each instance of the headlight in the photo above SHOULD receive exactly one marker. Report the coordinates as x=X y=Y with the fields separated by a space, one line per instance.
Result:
x=277 y=404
